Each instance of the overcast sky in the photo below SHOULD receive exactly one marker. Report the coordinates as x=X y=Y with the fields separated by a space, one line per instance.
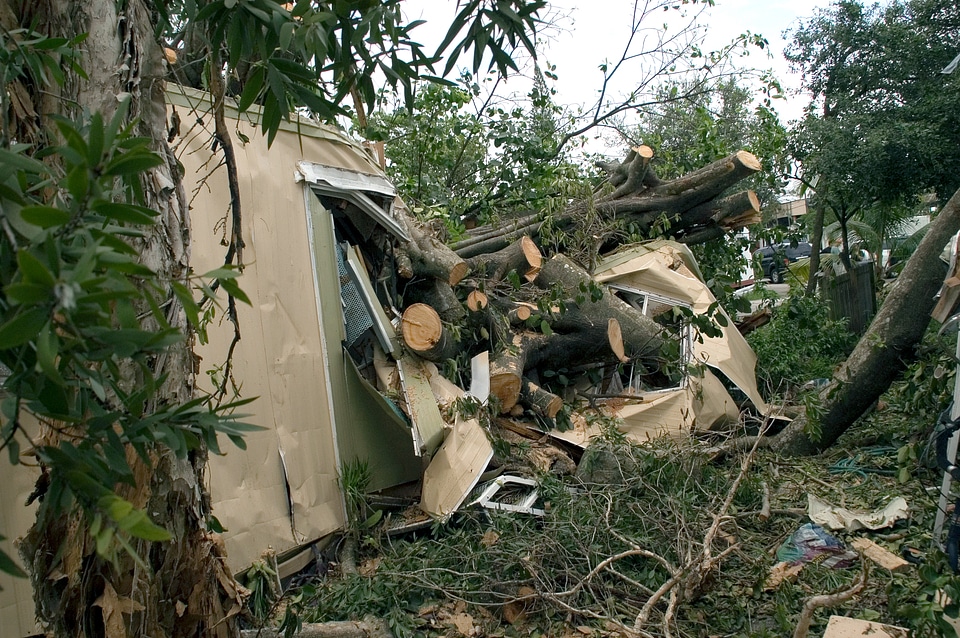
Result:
x=592 y=31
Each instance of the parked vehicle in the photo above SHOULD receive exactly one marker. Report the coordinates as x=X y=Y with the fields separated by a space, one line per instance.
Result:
x=775 y=259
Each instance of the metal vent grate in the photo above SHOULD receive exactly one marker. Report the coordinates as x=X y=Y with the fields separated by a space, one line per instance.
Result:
x=356 y=317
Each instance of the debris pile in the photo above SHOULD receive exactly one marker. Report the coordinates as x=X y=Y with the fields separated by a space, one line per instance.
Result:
x=533 y=338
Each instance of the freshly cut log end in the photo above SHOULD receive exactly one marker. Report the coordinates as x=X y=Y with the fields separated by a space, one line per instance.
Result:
x=521 y=256
x=457 y=272
x=519 y=314
x=477 y=301
x=749 y=160
x=644 y=151
x=615 y=339
x=423 y=332
x=506 y=377
x=541 y=401
x=532 y=256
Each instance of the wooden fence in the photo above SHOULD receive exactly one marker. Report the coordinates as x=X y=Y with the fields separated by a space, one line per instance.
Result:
x=852 y=295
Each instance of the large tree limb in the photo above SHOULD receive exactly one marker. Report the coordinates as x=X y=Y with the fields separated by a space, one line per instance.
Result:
x=888 y=345
x=641 y=197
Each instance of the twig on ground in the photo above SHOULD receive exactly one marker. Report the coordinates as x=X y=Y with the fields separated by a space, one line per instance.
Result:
x=814 y=603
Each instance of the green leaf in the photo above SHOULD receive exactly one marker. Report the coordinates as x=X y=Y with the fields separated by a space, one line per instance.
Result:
x=48 y=349
x=190 y=306
x=34 y=270
x=115 y=507
x=252 y=89
x=126 y=213
x=45 y=216
x=132 y=162
x=22 y=328
x=96 y=139
x=138 y=524
x=234 y=290
x=78 y=182
x=7 y=566
x=545 y=328
x=19 y=161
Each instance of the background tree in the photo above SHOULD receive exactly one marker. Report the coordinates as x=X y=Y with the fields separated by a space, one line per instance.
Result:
x=469 y=153
x=882 y=125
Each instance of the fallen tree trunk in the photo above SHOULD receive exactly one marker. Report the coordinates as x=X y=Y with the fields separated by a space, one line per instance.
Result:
x=885 y=349
x=639 y=197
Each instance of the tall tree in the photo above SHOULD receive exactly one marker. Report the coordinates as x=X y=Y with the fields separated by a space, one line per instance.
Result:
x=882 y=125
x=96 y=303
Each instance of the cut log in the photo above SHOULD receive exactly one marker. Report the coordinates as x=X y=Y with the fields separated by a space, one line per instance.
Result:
x=438 y=295
x=424 y=334
x=506 y=374
x=540 y=401
x=719 y=209
x=477 y=301
x=519 y=314
x=640 y=334
x=429 y=257
x=523 y=256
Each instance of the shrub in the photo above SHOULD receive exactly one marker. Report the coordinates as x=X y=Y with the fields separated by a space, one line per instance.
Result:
x=799 y=344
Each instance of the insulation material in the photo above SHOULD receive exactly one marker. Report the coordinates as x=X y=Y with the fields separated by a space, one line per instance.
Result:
x=455 y=469
x=704 y=402
x=667 y=269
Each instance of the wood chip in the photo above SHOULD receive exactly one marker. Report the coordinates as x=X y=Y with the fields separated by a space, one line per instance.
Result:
x=782 y=571
x=843 y=627
x=489 y=538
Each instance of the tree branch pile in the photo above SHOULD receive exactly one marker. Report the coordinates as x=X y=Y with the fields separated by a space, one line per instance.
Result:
x=496 y=291
x=689 y=208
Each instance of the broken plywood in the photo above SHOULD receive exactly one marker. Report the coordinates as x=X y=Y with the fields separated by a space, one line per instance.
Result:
x=843 y=627
x=879 y=555
x=421 y=404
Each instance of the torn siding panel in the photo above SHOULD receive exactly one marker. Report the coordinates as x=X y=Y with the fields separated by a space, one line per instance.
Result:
x=670 y=272
x=279 y=359
x=17 y=616
x=455 y=469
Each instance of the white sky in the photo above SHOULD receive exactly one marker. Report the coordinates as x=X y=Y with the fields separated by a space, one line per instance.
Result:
x=593 y=31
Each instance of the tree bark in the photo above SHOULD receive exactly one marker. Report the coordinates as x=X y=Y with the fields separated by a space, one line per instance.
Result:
x=886 y=348
x=640 y=334
x=539 y=400
x=522 y=256
x=815 y=240
x=186 y=589
x=428 y=257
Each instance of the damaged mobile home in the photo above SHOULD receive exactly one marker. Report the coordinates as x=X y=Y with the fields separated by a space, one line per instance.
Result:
x=349 y=331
